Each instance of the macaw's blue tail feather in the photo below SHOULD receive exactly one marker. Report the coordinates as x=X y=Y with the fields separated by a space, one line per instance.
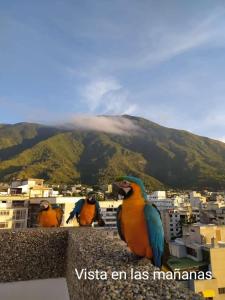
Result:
x=157 y=258
x=155 y=233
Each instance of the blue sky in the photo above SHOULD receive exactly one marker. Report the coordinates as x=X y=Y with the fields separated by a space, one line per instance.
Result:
x=163 y=60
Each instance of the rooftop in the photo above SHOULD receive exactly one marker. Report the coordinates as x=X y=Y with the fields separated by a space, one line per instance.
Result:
x=182 y=264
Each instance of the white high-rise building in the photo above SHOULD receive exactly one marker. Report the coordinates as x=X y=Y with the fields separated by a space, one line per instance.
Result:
x=13 y=212
x=109 y=211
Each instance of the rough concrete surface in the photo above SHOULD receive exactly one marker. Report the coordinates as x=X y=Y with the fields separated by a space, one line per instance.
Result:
x=51 y=253
x=32 y=254
x=94 y=250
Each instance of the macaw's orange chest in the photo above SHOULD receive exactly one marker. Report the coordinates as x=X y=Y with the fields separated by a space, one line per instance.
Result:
x=135 y=231
x=48 y=218
x=87 y=214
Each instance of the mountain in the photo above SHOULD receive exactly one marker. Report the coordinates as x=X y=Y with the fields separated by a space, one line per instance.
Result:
x=160 y=156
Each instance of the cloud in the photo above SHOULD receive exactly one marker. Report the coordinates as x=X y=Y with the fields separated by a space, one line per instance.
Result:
x=109 y=124
x=160 y=42
x=221 y=139
x=107 y=96
x=167 y=43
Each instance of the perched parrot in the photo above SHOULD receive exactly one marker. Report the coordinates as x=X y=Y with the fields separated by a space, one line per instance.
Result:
x=87 y=211
x=49 y=216
x=139 y=223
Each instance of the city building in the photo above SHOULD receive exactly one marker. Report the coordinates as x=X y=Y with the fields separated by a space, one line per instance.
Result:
x=213 y=212
x=32 y=186
x=4 y=189
x=163 y=204
x=13 y=212
x=109 y=211
x=173 y=220
x=196 y=199
x=157 y=195
x=202 y=248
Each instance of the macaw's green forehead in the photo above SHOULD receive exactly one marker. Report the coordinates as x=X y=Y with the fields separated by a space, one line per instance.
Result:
x=136 y=180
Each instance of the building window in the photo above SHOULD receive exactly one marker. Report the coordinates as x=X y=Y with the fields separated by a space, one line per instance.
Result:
x=18 y=225
x=109 y=209
x=4 y=213
x=110 y=220
x=4 y=225
x=191 y=252
x=221 y=290
x=19 y=214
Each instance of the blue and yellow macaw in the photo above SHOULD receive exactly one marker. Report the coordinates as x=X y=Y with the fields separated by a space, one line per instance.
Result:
x=49 y=215
x=87 y=211
x=139 y=223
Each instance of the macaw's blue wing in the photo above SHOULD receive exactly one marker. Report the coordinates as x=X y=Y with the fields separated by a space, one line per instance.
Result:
x=155 y=233
x=118 y=221
x=77 y=209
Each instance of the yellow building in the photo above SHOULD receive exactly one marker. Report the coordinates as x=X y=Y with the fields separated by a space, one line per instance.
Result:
x=204 y=244
x=214 y=288
x=40 y=191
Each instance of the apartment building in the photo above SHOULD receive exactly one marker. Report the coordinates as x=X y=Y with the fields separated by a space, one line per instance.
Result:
x=204 y=245
x=109 y=211
x=196 y=199
x=160 y=199
x=157 y=195
x=213 y=212
x=33 y=187
x=13 y=212
x=173 y=220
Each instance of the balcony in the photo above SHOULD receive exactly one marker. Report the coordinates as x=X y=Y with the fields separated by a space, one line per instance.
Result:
x=49 y=258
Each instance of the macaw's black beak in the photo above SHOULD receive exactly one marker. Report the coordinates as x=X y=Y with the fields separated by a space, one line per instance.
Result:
x=124 y=190
x=91 y=200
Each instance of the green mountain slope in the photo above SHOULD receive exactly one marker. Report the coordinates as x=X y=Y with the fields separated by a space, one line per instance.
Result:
x=159 y=155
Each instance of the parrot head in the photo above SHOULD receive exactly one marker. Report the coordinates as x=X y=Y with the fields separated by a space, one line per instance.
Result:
x=91 y=198
x=44 y=205
x=129 y=186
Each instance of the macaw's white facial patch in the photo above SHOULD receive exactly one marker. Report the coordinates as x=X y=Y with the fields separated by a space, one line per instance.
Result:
x=44 y=204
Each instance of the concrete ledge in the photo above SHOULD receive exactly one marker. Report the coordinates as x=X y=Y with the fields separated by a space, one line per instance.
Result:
x=32 y=254
x=51 y=253
x=94 y=250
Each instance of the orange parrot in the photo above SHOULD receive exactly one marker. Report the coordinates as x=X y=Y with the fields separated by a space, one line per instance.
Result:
x=139 y=223
x=49 y=216
x=87 y=211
